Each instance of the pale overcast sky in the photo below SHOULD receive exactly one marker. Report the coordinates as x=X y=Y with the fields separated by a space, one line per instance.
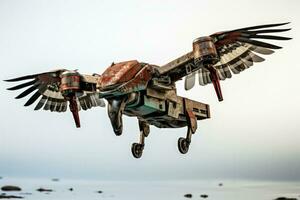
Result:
x=253 y=133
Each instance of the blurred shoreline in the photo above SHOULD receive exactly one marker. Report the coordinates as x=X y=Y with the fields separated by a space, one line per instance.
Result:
x=163 y=189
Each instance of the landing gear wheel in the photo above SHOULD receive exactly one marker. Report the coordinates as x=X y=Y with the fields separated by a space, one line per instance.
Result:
x=183 y=145
x=137 y=150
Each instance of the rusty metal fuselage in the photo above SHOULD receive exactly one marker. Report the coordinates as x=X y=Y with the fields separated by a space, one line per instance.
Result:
x=135 y=89
x=123 y=78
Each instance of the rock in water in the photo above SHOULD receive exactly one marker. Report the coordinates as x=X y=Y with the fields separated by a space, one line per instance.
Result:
x=8 y=188
x=44 y=190
x=188 y=195
x=203 y=195
x=4 y=196
x=285 y=198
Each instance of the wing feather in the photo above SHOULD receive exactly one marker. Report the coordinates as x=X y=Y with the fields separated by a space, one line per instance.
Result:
x=27 y=91
x=261 y=50
x=190 y=81
x=260 y=26
x=33 y=98
x=89 y=100
x=82 y=104
x=48 y=104
x=255 y=57
x=64 y=106
x=41 y=102
x=53 y=104
x=22 y=85
x=204 y=77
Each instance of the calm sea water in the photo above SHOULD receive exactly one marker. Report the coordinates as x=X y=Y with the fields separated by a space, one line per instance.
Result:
x=150 y=190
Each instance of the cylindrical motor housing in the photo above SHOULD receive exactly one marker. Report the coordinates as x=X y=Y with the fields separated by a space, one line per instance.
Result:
x=204 y=50
x=70 y=83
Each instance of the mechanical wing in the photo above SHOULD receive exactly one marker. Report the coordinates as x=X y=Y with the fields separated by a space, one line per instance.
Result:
x=217 y=56
x=56 y=88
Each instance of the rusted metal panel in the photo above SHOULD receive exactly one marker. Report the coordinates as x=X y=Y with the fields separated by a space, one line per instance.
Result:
x=174 y=109
x=90 y=79
x=204 y=52
x=154 y=103
x=88 y=83
x=200 y=110
x=139 y=82
x=165 y=94
x=208 y=111
x=192 y=120
x=204 y=48
x=118 y=73
x=70 y=82
x=177 y=62
x=162 y=83
x=156 y=94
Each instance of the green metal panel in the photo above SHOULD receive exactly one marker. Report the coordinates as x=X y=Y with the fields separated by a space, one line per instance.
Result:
x=153 y=103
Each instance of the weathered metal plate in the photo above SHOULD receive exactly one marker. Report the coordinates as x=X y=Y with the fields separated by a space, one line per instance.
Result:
x=177 y=62
x=118 y=73
x=167 y=94
x=174 y=109
x=155 y=104
x=200 y=110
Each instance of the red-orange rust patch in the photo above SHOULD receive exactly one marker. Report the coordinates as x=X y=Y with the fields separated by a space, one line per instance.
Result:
x=140 y=80
x=119 y=73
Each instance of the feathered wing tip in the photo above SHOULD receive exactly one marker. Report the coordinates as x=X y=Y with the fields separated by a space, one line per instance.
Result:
x=33 y=85
x=20 y=86
x=39 y=86
x=26 y=92
x=35 y=96
x=260 y=26
x=252 y=35
x=258 y=43
x=50 y=74
x=21 y=78
x=249 y=34
x=270 y=30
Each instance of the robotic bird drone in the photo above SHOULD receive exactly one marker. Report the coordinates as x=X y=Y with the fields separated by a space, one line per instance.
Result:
x=148 y=91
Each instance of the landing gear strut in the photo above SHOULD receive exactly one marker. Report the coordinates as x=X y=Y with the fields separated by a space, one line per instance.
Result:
x=137 y=148
x=184 y=143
